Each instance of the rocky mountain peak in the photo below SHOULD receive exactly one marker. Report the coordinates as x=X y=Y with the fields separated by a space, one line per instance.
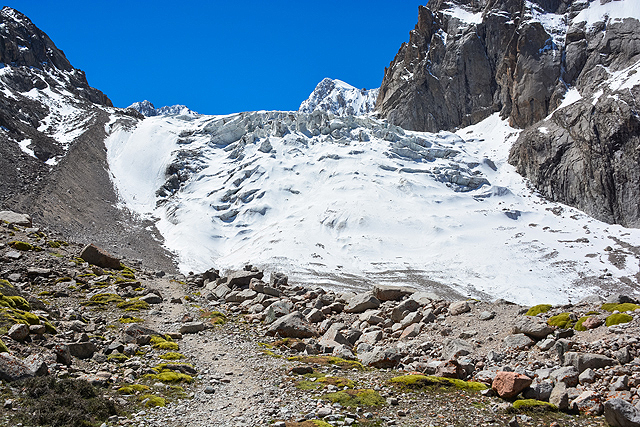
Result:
x=24 y=44
x=339 y=98
x=147 y=109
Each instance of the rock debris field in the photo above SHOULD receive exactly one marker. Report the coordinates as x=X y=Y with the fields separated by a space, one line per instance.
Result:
x=88 y=339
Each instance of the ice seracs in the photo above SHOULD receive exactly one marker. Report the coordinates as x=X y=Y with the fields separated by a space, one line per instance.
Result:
x=339 y=98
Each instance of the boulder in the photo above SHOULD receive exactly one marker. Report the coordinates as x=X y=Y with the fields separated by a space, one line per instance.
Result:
x=582 y=361
x=538 y=390
x=82 y=350
x=593 y=322
x=620 y=413
x=403 y=308
x=239 y=297
x=362 y=302
x=381 y=357
x=221 y=291
x=532 y=327
x=36 y=364
x=242 y=278
x=517 y=342
x=509 y=384
x=192 y=327
x=15 y=218
x=293 y=325
x=391 y=293
x=96 y=256
x=589 y=402
x=560 y=396
x=151 y=299
x=277 y=310
x=453 y=348
x=567 y=375
x=411 y=331
x=278 y=280
x=63 y=354
x=459 y=307
x=19 y=332
x=13 y=369
x=315 y=316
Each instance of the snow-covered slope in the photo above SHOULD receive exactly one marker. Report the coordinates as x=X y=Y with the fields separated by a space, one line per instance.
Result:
x=339 y=98
x=147 y=109
x=352 y=201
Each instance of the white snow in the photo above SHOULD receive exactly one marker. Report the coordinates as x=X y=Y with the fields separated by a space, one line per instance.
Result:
x=24 y=146
x=464 y=15
x=340 y=98
x=614 y=10
x=353 y=212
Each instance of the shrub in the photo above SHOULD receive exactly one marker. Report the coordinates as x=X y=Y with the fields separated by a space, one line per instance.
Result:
x=537 y=309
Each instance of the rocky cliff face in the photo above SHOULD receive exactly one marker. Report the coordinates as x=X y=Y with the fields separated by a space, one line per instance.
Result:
x=466 y=60
x=339 y=98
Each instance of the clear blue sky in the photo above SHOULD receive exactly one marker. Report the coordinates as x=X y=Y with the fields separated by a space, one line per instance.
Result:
x=220 y=57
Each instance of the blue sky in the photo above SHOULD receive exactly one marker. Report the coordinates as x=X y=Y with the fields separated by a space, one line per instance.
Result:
x=222 y=57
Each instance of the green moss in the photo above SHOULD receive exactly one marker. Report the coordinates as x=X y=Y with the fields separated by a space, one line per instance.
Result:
x=172 y=355
x=420 y=381
x=9 y=316
x=355 y=398
x=50 y=329
x=14 y=302
x=329 y=360
x=214 y=317
x=21 y=246
x=578 y=326
x=133 y=389
x=562 y=321
x=537 y=309
x=117 y=358
x=133 y=304
x=618 y=318
x=151 y=400
x=170 y=377
x=532 y=405
x=63 y=279
x=163 y=344
x=308 y=385
x=627 y=306
x=45 y=293
x=130 y=320
x=336 y=381
x=103 y=300
x=3 y=347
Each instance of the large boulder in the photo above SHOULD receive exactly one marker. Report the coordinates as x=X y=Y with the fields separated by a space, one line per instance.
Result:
x=362 y=302
x=293 y=325
x=82 y=350
x=582 y=361
x=96 y=256
x=620 y=413
x=11 y=217
x=391 y=293
x=381 y=357
x=509 y=384
x=242 y=278
x=531 y=326
x=13 y=369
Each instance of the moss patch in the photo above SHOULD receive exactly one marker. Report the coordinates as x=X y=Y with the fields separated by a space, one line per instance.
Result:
x=101 y=300
x=14 y=302
x=562 y=321
x=329 y=360
x=117 y=357
x=537 y=309
x=170 y=377
x=130 y=320
x=22 y=246
x=214 y=317
x=151 y=400
x=618 y=318
x=578 y=326
x=355 y=398
x=133 y=304
x=3 y=347
x=532 y=405
x=627 y=306
x=172 y=355
x=163 y=344
x=133 y=389
x=421 y=381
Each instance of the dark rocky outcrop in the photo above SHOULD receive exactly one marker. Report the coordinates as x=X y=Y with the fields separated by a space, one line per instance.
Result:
x=453 y=73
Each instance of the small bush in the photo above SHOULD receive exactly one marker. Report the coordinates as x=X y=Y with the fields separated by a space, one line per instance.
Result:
x=537 y=309
x=618 y=318
x=562 y=321
x=51 y=402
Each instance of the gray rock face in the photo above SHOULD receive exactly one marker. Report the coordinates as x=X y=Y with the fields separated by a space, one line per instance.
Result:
x=583 y=361
x=82 y=350
x=12 y=368
x=361 y=303
x=292 y=325
x=532 y=327
x=381 y=357
x=620 y=413
x=15 y=218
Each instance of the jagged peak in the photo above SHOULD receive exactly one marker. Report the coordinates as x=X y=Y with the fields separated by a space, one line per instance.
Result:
x=147 y=109
x=340 y=98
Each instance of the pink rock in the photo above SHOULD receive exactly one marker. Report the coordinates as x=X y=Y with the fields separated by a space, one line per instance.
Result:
x=509 y=384
x=592 y=322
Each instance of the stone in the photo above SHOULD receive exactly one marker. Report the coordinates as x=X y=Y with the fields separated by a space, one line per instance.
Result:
x=391 y=293
x=567 y=375
x=293 y=325
x=509 y=384
x=372 y=317
x=559 y=396
x=277 y=310
x=36 y=364
x=372 y=337
x=221 y=291
x=278 y=280
x=588 y=376
x=239 y=297
x=546 y=344
x=592 y=322
x=13 y=255
x=96 y=256
x=459 y=307
x=192 y=327
x=82 y=350
x=381 y=357
x=538 y=390
x=242 y=278
x=362 y=302
x=582 y=361
x=315 y=316
x=486 y=315
x=18 y=332
x=453 y=348
x=620 y=413
x=517 y=342
x=532 y=327
x=151 y=299
x=411 y=331
x=411 y=318
x=423 y=298
x=588 y=402
x=209 y=389
x=15 y=218
x=406 y=306
x=12 y=368
x=37 y=329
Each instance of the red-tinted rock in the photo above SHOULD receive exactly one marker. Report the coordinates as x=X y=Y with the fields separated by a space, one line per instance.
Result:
x=509 y=384
x=96 y=256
